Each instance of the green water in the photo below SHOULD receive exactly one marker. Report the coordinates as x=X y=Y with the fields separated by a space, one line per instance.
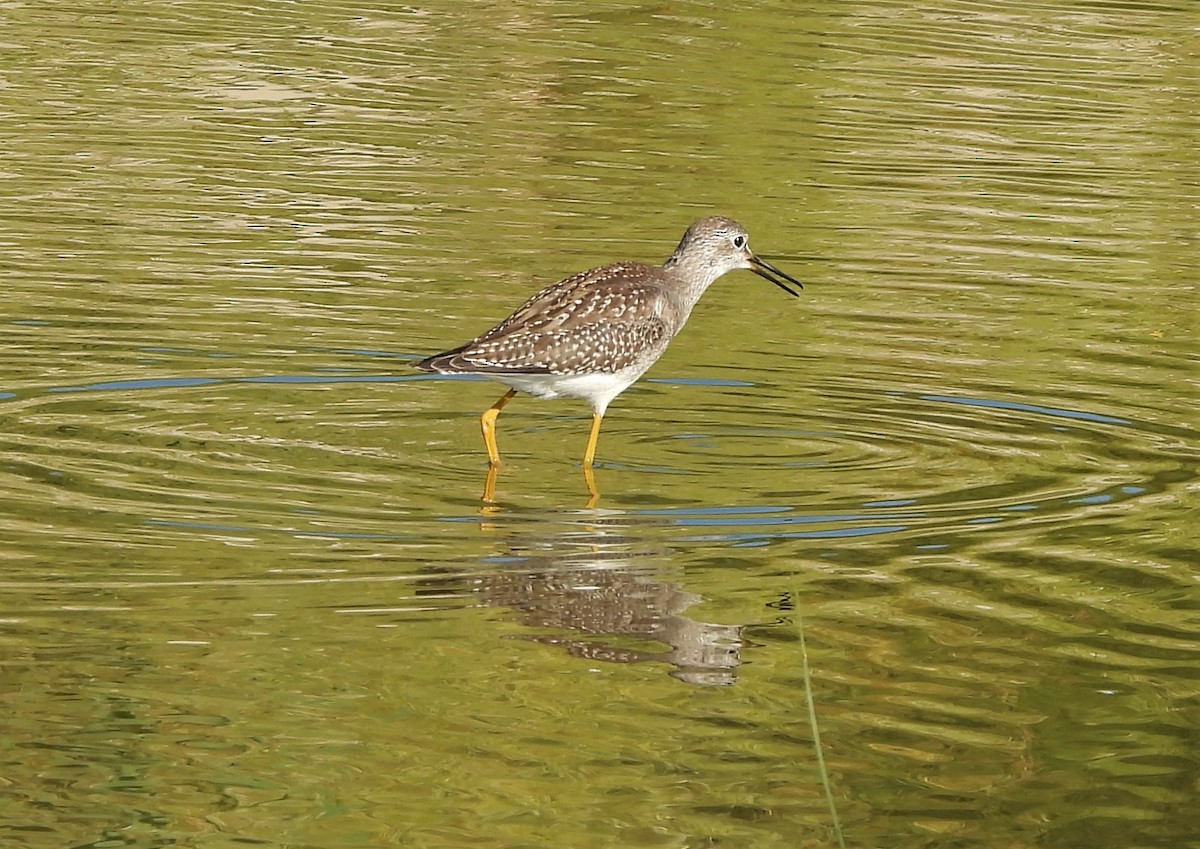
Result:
x=250 y=595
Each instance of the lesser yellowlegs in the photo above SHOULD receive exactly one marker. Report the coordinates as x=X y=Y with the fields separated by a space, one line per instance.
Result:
x=593 y=334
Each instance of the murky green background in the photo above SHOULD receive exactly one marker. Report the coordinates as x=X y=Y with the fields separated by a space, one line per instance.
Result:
x=248 y=594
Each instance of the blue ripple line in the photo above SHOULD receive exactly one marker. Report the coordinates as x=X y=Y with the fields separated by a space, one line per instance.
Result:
x=1026 y=408
x=837 y=533
x=152 y=383
x=714 y=511
x=786 y=520
x=179 y=382
x=697 y=381
x=324 y=378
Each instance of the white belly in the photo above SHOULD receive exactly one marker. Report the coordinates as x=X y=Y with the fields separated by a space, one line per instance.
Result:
x=597 y=389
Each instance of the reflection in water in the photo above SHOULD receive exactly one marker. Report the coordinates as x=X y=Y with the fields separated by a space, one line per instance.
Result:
x=599 y=596
x=493 y=474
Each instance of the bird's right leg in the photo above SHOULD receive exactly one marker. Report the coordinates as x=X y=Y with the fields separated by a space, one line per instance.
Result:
x=487 y=423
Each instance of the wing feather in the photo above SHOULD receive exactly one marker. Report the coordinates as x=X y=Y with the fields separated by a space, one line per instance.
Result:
x=603 y=320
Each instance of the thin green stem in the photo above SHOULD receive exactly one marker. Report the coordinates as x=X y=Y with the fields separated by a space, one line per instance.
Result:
x=816 y=730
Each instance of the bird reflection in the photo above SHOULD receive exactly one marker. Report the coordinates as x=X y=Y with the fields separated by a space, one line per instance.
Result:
x=600 y=597
x=488 y=499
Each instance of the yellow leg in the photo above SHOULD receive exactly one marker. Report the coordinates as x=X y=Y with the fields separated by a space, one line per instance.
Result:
x=593 y=490
x=487 y=423
x=489 y=489
x=590 y=454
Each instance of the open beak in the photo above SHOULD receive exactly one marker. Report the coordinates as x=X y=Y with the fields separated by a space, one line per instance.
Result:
x=764 y=269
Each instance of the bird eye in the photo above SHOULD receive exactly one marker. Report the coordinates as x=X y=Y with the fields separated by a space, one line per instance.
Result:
x=739 y=242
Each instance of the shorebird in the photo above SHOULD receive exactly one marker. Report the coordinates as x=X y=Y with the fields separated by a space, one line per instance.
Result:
x=593 y=334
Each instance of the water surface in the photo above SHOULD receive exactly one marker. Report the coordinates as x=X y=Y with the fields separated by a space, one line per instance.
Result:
x=944 y=503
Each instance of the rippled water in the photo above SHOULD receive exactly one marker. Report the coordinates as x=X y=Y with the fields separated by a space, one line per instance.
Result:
x=943 y=505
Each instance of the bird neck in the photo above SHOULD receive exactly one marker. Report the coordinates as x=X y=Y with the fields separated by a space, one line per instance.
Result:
x=694 y=276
